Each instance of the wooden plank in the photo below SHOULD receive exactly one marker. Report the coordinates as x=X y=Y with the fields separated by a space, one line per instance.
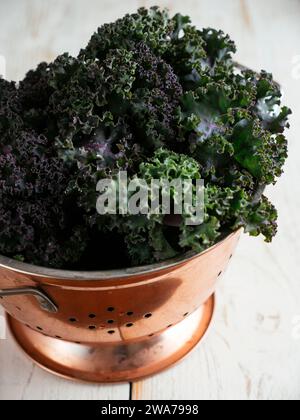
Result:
x=252 y=352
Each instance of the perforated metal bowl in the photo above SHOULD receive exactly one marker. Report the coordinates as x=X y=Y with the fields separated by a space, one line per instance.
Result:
x=113 y=325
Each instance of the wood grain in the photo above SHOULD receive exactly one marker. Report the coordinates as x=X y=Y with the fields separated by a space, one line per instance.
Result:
x=253 y=351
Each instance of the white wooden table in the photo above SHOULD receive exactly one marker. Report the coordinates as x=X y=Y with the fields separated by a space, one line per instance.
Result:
x=253 y=350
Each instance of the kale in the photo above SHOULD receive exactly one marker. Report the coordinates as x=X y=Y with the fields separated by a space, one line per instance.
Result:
x=154 y=96
x=152 y=27
x=33 y=223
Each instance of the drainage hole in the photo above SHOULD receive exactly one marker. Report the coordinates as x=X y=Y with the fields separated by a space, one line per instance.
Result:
x=186 y=314
x=110 y=309
x=92 y=327
x=129 y=313
x=110 y=332
x=110 y=321
x=149 y=315
x=72 y=319
x=92 y=316
x=130 y=324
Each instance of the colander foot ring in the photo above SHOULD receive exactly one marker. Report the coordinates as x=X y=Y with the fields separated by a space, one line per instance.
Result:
x=115 y=362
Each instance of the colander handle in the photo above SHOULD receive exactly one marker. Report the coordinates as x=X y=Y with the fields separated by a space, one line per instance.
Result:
x=43 y=299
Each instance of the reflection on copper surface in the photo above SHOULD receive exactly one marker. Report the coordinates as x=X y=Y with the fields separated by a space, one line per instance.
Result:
x=120 y=328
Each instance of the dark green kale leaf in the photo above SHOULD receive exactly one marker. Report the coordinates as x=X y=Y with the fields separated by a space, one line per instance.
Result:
x=10 y=120
x=185 y=51
x=218 y=46
x=258 y=218
x=257 y=150
x=268 y=101
x=155 y=100
x=199 y=238
x=152 y=27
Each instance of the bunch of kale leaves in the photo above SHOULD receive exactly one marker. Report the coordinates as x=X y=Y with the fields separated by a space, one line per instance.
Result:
x=156 y=97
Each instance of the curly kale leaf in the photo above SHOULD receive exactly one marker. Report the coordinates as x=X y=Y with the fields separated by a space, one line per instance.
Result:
x=155 y=99
x=152 y=27
x=153 y=95
x=149 y=244
x=135 y=85
x=218 y=46
x=34 y=222
x=199 y=238
x=258 y=151
x=185 y=52
x=149 y=238
x=167 y=165
x=268 y=102
x=259 y=218
x=10 y=120
x=34 y=93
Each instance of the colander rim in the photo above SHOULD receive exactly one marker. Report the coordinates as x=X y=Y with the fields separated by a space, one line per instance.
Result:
x=39 y=271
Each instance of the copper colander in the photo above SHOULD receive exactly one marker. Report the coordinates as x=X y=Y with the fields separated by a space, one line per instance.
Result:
x=117 y=325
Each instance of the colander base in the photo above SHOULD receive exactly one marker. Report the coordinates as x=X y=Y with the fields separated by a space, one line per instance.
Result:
x=115 y=362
